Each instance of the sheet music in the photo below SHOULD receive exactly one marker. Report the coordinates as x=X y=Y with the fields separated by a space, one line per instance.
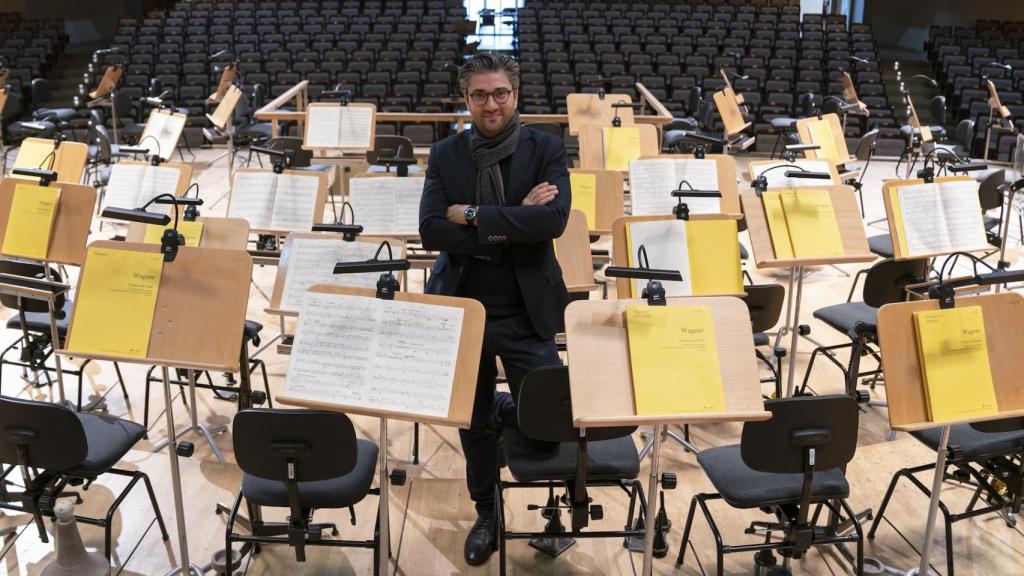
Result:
x=356 y=122
x=252 y=198
x=778 y=179
x=962 y=209
x=387 y=205
x=166 y=129
x=124 y=186
x=323 y=125
x=311 y=261
x=651 y=183
x=378 y=354
x=924 y=220
x=158 y=180
x=294 y=206
x=665 y=244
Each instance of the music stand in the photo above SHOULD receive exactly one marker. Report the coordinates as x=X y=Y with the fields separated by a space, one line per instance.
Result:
x=166 y=137
x=725 y=165
x=602 y=383
x=572 y=250
x=813 y=129
x=607 y=197
x=592 y=148
x=855 y=249
x=905 y=389
x=318 y=206
x=103 y=95
x=732 y=118
x=222 y=121
x=586 y=108
x=197 y=325
x=462 y=392
x=68 y=159
x=184 y=179
x=227 y=78
x=995 y=106
x=889 y=190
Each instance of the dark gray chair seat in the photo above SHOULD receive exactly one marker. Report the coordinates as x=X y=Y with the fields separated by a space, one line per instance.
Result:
x=258 y=131
x=40 y=321
x=115 y=150
x=992 y=222
x=19 y=128
x=782 y=123
x=614 y=459
x=340 y=492
x=881 y=244
x=135 y=129
x=761 y=339
x=743 y=487
x=60 y=114
x=108 y=439
x=975 y=444
x=743 y=252
x=938 y=132
x=843 y=317
x=251 y=329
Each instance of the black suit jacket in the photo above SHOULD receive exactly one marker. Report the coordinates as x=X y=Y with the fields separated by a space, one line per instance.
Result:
x=520 y=234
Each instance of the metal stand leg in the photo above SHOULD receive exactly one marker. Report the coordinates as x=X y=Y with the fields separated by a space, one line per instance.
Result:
x=798 y=273
x=666 y=434
x=113 y=114
x=384 y=519
x=933 y=505
x=652 y=488
x=195 y=426
x=186 y=567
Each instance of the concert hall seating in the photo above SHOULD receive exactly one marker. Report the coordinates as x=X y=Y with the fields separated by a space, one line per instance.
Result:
x=29 y=47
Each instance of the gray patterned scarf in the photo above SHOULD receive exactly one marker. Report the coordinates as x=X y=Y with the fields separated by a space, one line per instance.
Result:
x=488 y=152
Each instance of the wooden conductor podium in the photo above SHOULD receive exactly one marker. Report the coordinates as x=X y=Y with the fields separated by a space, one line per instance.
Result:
x=594 y=153
x=197 y=325
x=68 y=160
x=602 y=384
x=606 y=203
x=854 y=244
x=388 y=396
x=1003 y=315
x=596 y=109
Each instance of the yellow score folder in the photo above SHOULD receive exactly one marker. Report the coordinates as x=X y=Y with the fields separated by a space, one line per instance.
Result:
x=192 y=231
x=954 y=363
x=621 y=145
x=673 y=357
x=30 y=223
x=584 y=196
x=802 y=223
x=115 y=303
x=821 y=134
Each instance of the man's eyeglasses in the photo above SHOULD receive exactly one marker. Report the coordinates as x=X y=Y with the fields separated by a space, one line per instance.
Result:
x=479 y=97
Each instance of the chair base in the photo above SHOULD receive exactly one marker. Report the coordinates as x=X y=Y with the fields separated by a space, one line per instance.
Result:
x=552 y=545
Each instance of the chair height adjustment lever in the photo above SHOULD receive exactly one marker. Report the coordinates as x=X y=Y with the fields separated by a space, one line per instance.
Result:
x=185 y=448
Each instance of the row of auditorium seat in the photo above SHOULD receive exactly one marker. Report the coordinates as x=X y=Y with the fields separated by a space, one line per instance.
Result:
x=29 y=47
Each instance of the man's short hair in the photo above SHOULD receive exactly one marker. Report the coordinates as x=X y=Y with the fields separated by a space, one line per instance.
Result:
x=486 y=62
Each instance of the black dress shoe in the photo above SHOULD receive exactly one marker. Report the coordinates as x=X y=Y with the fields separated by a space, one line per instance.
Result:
x=480 y=541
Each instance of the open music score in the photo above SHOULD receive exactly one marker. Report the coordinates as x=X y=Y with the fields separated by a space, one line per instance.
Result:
x=132 y=184
x=165 y=127
x=387 y=205
x=931 y=219
x=651 y=182
x=337 y=127
x=290 y=201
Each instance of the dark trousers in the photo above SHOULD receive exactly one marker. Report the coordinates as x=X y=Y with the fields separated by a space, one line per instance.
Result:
x=513 y=339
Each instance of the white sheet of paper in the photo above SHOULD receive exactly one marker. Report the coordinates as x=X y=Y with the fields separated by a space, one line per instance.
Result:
x=124 y=186
x=323 y=124
x=365 y=352
x=166 y=129
x=964 y=220
x=408 y=192
x=252 y=198
x=778 y=179
x=387 y=205
x=294 y=207
x=311 y=261
x=665 y=243
x=924 y=220
x=158 y=180
x=356 y=122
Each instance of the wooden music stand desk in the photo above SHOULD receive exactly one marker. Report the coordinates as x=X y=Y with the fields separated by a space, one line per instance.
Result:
x=362 y=148
x=107 y=85
x=222 y=114
x=147 y=132
x=197 y=325
x=732 y=117
x=227 y=78
x=894 y=233
x=572 y=250
x=592 y=155
x=71 y=221
x=905 y=389
x=833 y=128
x=460 y=408
x=855 y=248
x=585 y=108
x=620 y=248
x=68 y=161
x=608 y=200
x=756 y=166
x=602 y=383
x=320 y=203
x=221 y=233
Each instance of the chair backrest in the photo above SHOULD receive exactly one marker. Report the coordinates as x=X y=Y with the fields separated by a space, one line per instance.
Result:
x=322 y=444
x=549 y=127
x=299 y=157
x=779 y=445
x=40 y=88
x=389 y=146
x=866 y=145
x=938 y=109
x=887 y=280
x=990 y=193
x=764 y=302
x=52 y=435
x=34 y=271
x=544 y=409
x=965 y=134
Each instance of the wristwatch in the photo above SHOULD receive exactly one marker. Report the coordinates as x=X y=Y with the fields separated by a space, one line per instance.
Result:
x=470 y=214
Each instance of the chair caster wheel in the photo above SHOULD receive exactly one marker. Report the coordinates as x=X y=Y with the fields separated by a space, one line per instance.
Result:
x=804 y=330
x=185 y=449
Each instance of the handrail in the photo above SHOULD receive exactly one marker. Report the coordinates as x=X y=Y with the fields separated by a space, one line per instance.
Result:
x=270 y=111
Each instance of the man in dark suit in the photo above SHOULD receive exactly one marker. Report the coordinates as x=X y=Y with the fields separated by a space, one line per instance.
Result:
x=494 y=199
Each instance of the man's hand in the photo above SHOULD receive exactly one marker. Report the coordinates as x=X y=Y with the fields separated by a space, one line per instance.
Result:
x=457 y=214
x=541 y=194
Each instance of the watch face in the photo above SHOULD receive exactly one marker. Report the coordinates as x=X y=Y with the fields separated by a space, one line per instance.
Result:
x=470 y=213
